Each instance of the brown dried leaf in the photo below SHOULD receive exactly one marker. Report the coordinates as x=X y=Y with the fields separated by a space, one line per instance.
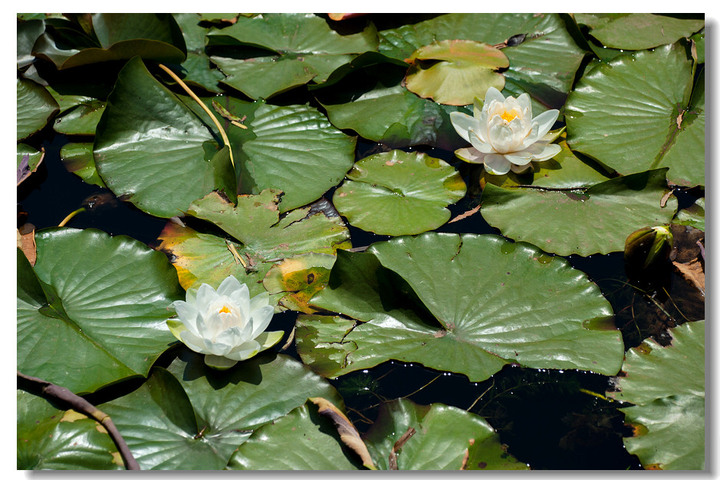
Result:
x=26 y=242
x=348 y=433
x=392 y=460
x=465 y=215
x=693 y=272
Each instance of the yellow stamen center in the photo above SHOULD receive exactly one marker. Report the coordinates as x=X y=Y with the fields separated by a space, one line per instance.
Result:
x=224 y=309
x=508 y=116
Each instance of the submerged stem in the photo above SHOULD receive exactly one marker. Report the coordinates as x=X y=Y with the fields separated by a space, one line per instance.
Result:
x=204 y=107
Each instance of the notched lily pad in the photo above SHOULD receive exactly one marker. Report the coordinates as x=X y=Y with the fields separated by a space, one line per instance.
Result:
x=454 y=72
x=581 y=221
x=495 y=303
x=638 y=31
x=260 y=239
x=298 y=278
x=101 y=313
x=667 y=386
x=399 y=193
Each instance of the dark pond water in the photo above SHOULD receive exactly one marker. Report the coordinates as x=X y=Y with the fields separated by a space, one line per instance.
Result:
x=549 y=418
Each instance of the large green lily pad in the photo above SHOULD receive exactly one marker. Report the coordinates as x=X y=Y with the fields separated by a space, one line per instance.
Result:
x=399 y=193
x=35 y=106
x=543 y=64
x=290 y=148
x=262 y=239
x=304 y=49
x=584 y=221
x=445 y=438
x=667 y=386
x=52 y=439
x=115 y=36
x=154 y=151
x=101 y=313
x=635 y=113
x=454 y=72
x=190 y=417
x=638 y=31
x=468 y=304
x=80 y=120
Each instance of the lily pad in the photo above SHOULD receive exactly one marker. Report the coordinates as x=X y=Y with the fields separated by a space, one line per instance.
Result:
x=582 y=221
x=667 y=386
x=196 y=68
x=399 y=193
x=154 y=151
x=635 y=113
x=190 y=417
x=442 y=439
x=563 y=171
x=394 y=116
x=454 y=72
x=495 y=303
x=694 y=215
x=298 y=278
x=27 y=33
x=306 y=49
x=543 y=64
x=52 y=439
x=101 y=313
x=117 y=36
x=639 y=31
x=81 y=120
x=78 y=159
x=294 y=149
x=301 y=440
x=263 y=239
x=35 y=106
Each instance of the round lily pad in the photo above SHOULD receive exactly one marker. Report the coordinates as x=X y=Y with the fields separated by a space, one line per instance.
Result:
x=101 y=313
x=636 y=113
x=35 y=106
x=399 y=193
x=667 y=386
x=470 y=304
x=581 y=221
x=454 y=72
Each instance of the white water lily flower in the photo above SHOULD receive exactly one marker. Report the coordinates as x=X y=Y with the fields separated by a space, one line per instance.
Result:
x=224 y=324
x=503 y=134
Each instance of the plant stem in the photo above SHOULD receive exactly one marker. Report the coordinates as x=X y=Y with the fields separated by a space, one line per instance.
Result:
x=81 y=405
x=70 y=216
x=203 y=106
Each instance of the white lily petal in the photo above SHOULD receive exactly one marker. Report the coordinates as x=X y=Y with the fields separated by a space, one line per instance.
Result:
x=187 y=314
x=258 y=301
x=193 y=342
x=519 y=158
x=470 y=155
x=493 y=94
x=545 y=121
x=525 y=105
x=230 y=285
x=479 y=145
x=261 y=319
x=463 y=122
x=204 y=297
x=521 y=168
x=244 y=351
x=219 y=363
x=496 y=164
x=548 y=152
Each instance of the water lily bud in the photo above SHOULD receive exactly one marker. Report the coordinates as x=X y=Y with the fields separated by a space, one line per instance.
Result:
x=224 y=324
x=647 y=251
